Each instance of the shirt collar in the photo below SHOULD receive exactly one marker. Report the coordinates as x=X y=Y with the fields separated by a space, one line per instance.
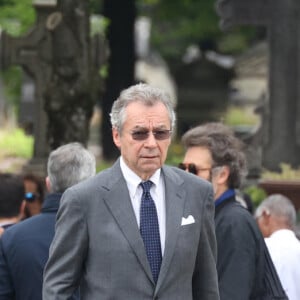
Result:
x=133 y=180
x=6 y=223
x=226 y=195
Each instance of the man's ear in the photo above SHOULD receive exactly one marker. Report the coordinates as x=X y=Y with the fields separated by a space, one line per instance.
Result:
x=266 y=216
x=223 y=175
x=48 y=184
x=116 y=137
x=22 y=210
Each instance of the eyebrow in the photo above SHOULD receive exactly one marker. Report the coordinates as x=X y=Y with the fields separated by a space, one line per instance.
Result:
x=137 y=127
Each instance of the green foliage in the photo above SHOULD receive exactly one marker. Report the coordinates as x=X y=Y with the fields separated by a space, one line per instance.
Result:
x=99 y=25
x=236 y=40
x=256 y=194
x=15 y=143
x=286 y=173
x=95 y=6
x=177 y=24
x=175 y=153
x=16 y=17
x=102 y=165
x=236 y=116
x=12 y=85
x=103 y=72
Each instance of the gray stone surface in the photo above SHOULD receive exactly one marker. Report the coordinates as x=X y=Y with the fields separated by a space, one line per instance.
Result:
x=57 y=54
x=281 y=138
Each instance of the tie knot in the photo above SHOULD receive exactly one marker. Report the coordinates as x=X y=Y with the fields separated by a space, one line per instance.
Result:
x=146 y=185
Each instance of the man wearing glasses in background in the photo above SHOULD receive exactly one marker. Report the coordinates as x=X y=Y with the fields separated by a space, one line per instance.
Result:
x=24 y=248
x=34 y=194
x=215 y=154
x=140 y=229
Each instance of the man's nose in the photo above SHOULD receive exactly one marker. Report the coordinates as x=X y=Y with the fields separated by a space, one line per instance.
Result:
x=151 y=141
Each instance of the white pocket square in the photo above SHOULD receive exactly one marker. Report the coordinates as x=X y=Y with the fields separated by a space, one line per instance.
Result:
x=186 y=221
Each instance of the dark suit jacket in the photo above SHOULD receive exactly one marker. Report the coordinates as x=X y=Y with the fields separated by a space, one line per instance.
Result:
x=24 y=250
x=98 y=243
x=241 y=249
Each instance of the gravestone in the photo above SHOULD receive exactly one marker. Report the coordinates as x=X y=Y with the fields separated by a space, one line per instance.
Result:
x=56 y=53
x=27 y=110
x=32 y=52
x=281 y=129
x=69 y=92
x=202 y=91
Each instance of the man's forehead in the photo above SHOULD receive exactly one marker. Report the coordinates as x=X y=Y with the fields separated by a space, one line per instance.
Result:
x=141 y=115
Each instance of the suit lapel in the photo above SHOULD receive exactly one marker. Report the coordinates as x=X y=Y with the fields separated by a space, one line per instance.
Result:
x=119 y=204
x=175 y=200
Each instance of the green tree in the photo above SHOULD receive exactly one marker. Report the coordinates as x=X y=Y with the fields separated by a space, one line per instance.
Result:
x=177 y=24
x=16 y=16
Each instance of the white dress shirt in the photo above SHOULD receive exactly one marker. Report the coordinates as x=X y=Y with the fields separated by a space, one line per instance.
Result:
x=157 y=193
x=284 y=248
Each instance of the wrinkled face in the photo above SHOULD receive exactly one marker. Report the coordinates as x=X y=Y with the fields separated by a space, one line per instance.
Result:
x=145 y=156
x=263 y=222
x=201 y=157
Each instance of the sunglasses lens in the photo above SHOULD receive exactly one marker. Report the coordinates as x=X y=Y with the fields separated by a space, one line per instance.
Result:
x=182 y=166
x=140 y=135
x=190 y=167
x=158 y=134
x=162 y=134
x=29 y=197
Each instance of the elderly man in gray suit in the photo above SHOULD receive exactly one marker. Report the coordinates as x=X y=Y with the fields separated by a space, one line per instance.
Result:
x=140 y=229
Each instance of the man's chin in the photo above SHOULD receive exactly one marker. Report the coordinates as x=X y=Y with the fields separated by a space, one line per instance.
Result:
x=151 y=165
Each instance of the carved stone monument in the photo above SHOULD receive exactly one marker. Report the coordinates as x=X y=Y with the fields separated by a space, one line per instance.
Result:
x=56 y=53
x=68 y=94
x=281 y=138
x=32 y=53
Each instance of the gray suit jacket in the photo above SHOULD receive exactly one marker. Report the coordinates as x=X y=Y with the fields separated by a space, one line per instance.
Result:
x=97 y=242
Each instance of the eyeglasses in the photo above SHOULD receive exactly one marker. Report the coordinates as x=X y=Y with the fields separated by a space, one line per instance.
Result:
x=141 y=135
x=262 y=213
x=192 y=168
x=30 y=197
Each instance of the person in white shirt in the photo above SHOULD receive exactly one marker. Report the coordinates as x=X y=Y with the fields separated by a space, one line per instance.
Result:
x=276 y=217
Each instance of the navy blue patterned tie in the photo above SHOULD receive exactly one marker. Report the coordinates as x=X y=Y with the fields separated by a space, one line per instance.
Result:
x=149 y=229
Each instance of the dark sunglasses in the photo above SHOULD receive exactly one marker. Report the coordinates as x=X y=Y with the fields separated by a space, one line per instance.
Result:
x=192 y=168
x=30 y=197
x=141 y=135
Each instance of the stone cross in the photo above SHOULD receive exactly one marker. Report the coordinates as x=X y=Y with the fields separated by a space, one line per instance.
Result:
x=281 y=142
x=32 y=53
x=57 y=54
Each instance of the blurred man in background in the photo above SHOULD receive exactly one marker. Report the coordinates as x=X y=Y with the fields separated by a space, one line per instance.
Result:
x=215 y=154
x=276 y=217
x=34 y=194
x=24 y=248
x=12 y=202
